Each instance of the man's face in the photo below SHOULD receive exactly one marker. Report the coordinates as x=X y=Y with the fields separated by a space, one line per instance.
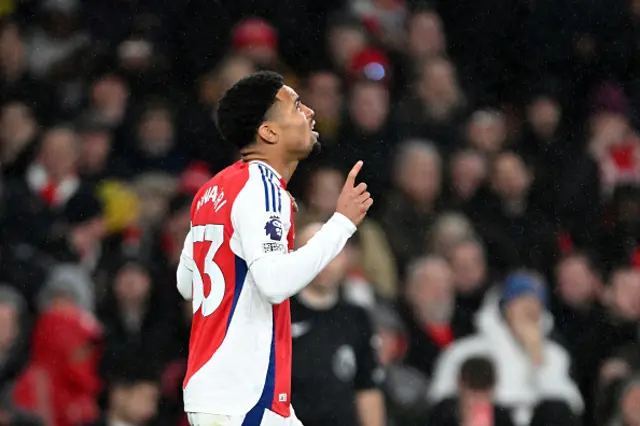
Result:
x=425 y=35
x=137 y=404
x=468 y=171
x=511 y=179
x=430 y=292
x=324 y=191
x=631 y=406
x=576 y=282
x=469 y=267
x=369 y=105
x=625 y=294
x=59 y=153
x=295 y=124
x=523 y=310
x=324 y=94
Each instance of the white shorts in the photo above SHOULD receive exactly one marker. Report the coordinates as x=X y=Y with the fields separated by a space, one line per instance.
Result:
x=254 y=418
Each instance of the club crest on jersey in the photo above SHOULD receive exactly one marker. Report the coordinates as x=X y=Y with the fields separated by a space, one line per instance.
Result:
x=273 y=228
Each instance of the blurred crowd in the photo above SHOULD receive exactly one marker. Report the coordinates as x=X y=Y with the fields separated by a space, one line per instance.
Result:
x=500 y=264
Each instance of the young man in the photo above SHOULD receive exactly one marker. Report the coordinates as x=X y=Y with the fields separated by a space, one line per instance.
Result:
x=236 y=263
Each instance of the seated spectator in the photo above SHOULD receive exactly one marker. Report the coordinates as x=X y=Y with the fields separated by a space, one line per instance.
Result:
x=132 y=395
x=134 y=316
x=580 y=318
x=436 y=105
x=412 y=205
x=60 y=383
x=487 y=132
x=375 y=255
x=405 y=387
x=512 y=333
x=432 y=318
x=467 y=173
x=617 y=370
x=628 y=409
x=471 y=275
x=448 y=230
x=516 y=233
x=474 y=405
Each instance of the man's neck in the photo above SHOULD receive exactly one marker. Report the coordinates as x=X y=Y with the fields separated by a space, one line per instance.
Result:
x=284 y=168
x=318 y=300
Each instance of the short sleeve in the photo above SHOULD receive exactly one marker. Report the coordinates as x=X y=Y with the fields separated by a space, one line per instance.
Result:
x=261 y=219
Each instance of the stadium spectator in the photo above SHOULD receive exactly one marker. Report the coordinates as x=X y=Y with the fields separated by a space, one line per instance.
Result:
x=512 y=332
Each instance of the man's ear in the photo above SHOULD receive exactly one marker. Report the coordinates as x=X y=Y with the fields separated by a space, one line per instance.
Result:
x=268 y=133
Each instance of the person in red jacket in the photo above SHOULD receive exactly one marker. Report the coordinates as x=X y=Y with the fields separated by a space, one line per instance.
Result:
x=60 y=383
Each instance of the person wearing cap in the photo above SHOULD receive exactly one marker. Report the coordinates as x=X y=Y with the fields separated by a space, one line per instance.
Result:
x=513 y=327
x=258 y=40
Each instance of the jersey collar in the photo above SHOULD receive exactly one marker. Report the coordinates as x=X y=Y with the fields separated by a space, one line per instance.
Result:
x=274 y=171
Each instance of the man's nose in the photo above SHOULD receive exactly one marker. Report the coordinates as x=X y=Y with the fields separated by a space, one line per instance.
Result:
x=310 y=113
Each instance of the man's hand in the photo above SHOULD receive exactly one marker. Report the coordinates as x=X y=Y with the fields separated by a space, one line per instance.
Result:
x=354 y=201
x=531 y=338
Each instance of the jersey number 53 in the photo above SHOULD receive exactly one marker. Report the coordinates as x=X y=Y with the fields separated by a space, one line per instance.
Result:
x=214 y=235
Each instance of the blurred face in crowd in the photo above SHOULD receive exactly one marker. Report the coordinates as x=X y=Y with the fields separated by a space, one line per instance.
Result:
x=369 y=105
x=469 y=267
x=179 y=223
x=324 y=95
x=9 y=326
x=468 y=173
x=17 y=129
x=430 y=291
x=328 y=280
x=543 y=114
x=510 y=179
x=154 y=193
x=132 y=286
x=156 y=131
x=630 y=406
x=95 y=150
x=12 y=50
x=324 y=190
x=230 y=72
x=522 y=311
x=448 y=231
x=88 y=235
x=109 y=95
x=419 y=174
x=136 y=54
x=426 y=37
x=438 y=83
x=625 y=294
x=345 y=43
x=135 y=404
x=487 y=131
x=577 y=284
x=607 y=130
x=59 y=153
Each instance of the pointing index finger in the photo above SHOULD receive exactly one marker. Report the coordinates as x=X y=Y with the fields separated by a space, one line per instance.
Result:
x=351 y=178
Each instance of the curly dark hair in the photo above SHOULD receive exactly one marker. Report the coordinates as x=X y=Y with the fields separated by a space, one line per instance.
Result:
x=244 y=107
